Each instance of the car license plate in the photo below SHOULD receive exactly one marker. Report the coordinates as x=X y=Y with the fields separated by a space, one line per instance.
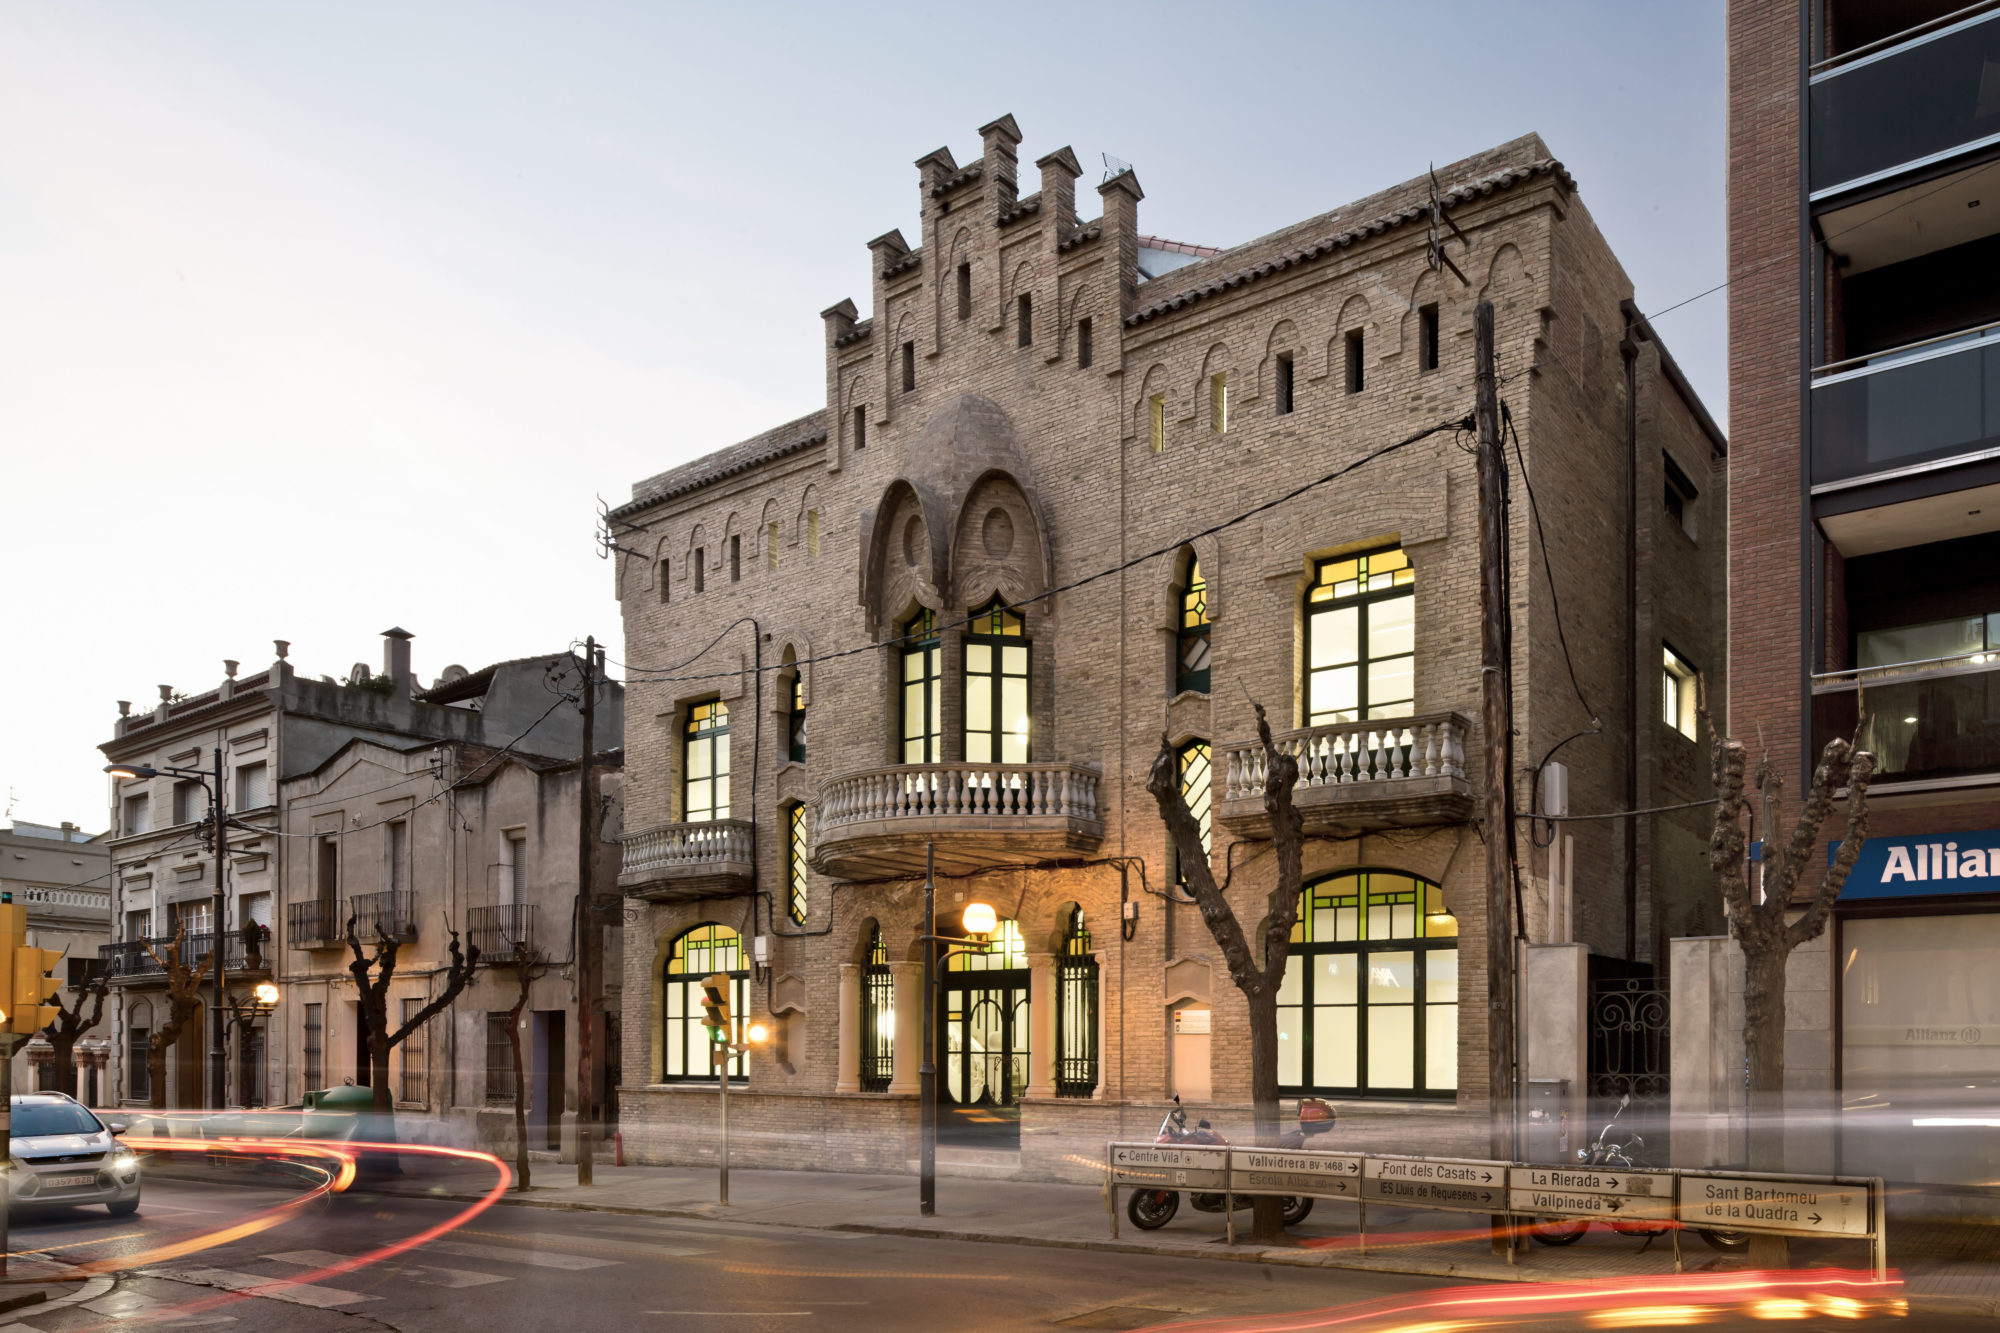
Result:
x=67 y=1182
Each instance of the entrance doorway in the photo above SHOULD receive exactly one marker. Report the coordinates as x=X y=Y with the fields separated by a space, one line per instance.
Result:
x=983 y=1040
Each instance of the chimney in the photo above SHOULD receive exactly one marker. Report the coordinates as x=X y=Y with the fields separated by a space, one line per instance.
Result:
x=1121 y=195
x=1059 y=173
x=1000 y=138
x=396 y=662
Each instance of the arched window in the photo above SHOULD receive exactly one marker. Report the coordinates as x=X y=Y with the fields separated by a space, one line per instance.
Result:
x=795 y=860
x=923 y=699
x=996 y=687
x=1361 y=638
x=1191 y=642
x=1369 y=1004
x=878 y=1018
x=705 y=772
x=1076 y=1011
x=684 y=1042
x=795 y=721
x=1197 y=791
x=138 y=1047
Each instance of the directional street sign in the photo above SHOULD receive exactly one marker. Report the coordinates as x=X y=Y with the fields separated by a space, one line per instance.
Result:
x=1554 y=1191
x=1433 y=1182
x=1165 y=1167
x=1741 y=1203
x=1324 y=1174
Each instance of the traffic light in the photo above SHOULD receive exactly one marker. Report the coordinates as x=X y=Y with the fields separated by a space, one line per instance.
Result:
x=32 y=989
x=13 y=933
x=715 y=1009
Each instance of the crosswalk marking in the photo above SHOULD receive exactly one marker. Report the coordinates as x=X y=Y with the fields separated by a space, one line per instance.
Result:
x=296 y=1293
x=428 y=1276
x=533 y=1258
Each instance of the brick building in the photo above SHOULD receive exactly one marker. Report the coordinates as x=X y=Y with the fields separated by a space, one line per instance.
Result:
x=958 y=606
x=1864 y=533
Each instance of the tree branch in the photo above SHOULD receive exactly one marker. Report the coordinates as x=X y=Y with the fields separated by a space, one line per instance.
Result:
x=1861 y=768
x=1288 y=833
x=456 y=979
x=1164 y=781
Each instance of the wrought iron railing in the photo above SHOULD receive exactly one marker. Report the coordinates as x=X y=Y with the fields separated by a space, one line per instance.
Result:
x=925 y=791
x=131 y=958
x=314 y=924
x=878 y=1019
x=504 y=931
x=1338 y=753
x=693 y=846
x=391 y=915
x=1076 y=1026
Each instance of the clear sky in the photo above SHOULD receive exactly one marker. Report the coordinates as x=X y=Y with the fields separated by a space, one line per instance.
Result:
x=321 y=318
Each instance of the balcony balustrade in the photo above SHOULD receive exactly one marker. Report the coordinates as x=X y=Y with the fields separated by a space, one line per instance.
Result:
x=1905 y=104
x=1931 y=402
x=1354 y=777
x=129 y=960
x=879 y=822
x=1936 y=723
x=503 y=931
x=677 y=862
x=315 y=924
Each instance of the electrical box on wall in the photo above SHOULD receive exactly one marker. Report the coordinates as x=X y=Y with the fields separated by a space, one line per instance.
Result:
x=760 y=950
x=1131 y=912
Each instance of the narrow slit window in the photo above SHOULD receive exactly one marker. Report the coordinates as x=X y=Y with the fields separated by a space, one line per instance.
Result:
x=860 y=428
x=1677 y=693
x=735 y=557
x=1356 y=376
x=771 y=547
x=1024 y=320
x=965 y=291
x=812 y=534
x=1427 y=338
x=1083 y=349
x=795 y=862
x=700 y=568
x=1156 y=421
x=666 y=581
x=909 y=367
x=1283 y=385
x=1191 y=638
x=1218 y=403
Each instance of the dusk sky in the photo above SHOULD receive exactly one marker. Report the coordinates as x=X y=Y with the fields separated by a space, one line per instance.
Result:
x=317 y=319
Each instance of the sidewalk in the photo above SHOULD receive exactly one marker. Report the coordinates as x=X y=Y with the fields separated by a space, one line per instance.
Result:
x=1947 y=1268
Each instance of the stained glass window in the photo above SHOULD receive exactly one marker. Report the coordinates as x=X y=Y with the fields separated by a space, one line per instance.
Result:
x=923 y=700
x=1191 y=646
x=1004 y=949
x=705 y=781
x=1361 y=628
x=795 y=860
x=796 y=730
x=684 y=1041
x=1197 y=790
x=878 y=1018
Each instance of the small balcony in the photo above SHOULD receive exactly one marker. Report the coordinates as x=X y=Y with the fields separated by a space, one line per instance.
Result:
x=504 y=932
x=1934 y=723
x=1354 y=777
x=1904 y=104
x=880 y=821
x=391 y=915
x=1927 y=403
x=681 y=862
x=315 y=924
x=130 y=960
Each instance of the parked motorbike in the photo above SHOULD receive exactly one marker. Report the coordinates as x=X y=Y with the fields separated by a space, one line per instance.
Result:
x=1623 y=1155
x=1152 y=1209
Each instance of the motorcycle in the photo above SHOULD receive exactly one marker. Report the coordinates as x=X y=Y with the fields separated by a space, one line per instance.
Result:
x=1152 y=1209
x=1623 y=1156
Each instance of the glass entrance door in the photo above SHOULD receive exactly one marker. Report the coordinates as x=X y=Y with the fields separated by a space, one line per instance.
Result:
x=982 y=1040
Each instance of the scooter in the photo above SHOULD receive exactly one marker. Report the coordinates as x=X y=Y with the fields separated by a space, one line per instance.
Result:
x=1602 y=1152
x=1152 y=1209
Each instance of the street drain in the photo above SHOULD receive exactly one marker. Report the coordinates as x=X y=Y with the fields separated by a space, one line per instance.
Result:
x=1120 y=1316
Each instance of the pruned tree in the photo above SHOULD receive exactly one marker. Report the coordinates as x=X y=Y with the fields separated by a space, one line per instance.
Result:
x=372 y=975
x=183 y=1007
x=69 y=1026
x=1256 y=961
x=1767 y=929
x=525 y=972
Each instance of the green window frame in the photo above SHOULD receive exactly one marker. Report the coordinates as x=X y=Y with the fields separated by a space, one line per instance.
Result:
x=684 y=1043
x=1369 y=1003
x=997 y=692
x=1076 y=1011
x=923 y=695
x=705 y=766
x=1004 y=951
x=1361 y=626
x=1191 y=636
x=795 y=861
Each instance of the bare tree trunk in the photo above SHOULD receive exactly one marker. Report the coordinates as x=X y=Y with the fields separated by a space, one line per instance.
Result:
x=62 y=1053
x=1267 y=1211
x=1764 y=1052
x=520 y=1081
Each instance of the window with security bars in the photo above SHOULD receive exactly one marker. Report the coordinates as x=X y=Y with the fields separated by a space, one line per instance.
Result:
x=411 y=1088
x=1191 y=643
x=499 y=1057
x=878 y=1018
x=996 y=687
x=1361 y=638
x=1076 y=1011
x=1369 y=1003
x=705 y=780
x=684 y=1041
x=795 y=861
x=923 y=699
x=1196 y=778
x=315 y=1047
x=795 y=726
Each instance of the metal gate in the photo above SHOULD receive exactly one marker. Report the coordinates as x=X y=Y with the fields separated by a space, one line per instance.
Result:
x=1630 y=1055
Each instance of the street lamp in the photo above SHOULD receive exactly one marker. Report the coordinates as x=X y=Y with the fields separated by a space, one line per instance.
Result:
x=979 y=921
x=211 y=781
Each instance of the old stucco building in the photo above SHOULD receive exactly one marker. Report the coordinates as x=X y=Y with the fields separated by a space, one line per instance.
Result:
x=958 y=605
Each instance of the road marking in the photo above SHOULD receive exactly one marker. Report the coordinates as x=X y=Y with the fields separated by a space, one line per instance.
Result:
x=749 y=1314
x=533 y=1258
x=426 y=1275
x=275 y=1289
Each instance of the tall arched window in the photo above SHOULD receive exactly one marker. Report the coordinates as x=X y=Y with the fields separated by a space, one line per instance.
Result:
x=684 y=1042
x=795 y=860
x=705 y=770
x=996 y=687
x=1361 y=638
x=878 y=1018
x=1191 y=639
x=1076 y=1011
x=795 y=720
x=1196 y=790
x=923 y=697
x=138 y=1049
x=1369 y=1004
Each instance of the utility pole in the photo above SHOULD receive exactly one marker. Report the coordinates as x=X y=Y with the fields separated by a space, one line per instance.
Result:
x=927 y=1126
x=218 y=1085
x=585 y=857
x=1497 y=721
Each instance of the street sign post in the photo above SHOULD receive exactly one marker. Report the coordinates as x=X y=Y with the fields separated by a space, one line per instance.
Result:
x=1160 y=1166
x=1323 y=1175
x=1796 y=1207
x=1466 y=1186
x=1594 y=1192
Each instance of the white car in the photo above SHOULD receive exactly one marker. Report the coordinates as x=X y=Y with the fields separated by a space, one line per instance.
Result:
x=64 y=1155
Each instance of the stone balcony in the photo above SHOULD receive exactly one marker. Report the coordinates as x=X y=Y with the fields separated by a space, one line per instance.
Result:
x=1354 y=777
x=671 y=863
x=877 y=823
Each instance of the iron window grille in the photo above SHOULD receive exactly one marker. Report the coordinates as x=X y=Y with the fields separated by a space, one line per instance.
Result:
x=923 y=699
x=1361 y=626
x=1191 y=641
x=996 y=687
x=705 y=777
x=1076 y=1012
x=878 y=1018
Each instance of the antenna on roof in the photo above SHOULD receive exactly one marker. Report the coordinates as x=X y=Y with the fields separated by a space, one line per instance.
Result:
x=1435 y=249
x=1114 y=166
x=607 y=540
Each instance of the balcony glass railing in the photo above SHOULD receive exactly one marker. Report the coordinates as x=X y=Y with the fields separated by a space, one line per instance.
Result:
x=1900 y=106
x=1926 y=403
x=1936 y=719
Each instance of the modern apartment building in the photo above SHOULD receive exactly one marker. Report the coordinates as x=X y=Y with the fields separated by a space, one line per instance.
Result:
x=1864 y=533
x=955 y=609
x=62 y=876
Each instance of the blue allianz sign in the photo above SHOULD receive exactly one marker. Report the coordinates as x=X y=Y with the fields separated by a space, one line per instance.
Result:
x=1925 y=864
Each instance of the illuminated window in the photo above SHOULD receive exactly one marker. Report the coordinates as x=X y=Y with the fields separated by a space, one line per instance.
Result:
x=1076 y=1011
x=1218 y=402
x=705 y=775
x=996 y=687
x=795 y=860
x=1677 y=693
x=1369 y=1003
x=1191 y=643
x=878 y=1018
x=1003 y=951
x=796 y=723
x=923 y=699
x=1156 y=421
x=684 y=1041
x=1361 y=626
x=1196 y=789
